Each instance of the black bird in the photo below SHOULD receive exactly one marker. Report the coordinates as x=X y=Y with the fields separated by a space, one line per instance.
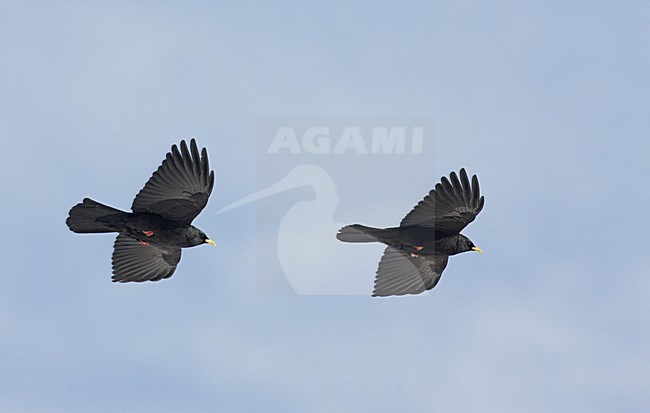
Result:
x=148 y=247
x=418 y=249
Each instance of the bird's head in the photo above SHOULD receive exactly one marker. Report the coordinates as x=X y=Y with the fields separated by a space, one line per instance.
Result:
x=198 y=237
x=465 y=244
x=207 y=240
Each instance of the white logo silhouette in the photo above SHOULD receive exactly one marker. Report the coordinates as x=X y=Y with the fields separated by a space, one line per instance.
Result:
x=308 y=251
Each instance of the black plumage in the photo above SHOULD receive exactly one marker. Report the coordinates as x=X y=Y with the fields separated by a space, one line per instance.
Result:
x=418 y=250
x=148 y=247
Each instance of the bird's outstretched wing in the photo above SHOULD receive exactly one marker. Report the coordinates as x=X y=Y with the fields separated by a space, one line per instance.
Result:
x=181 y=186
x=449 y=207
x=134 y=261
x=399 y=273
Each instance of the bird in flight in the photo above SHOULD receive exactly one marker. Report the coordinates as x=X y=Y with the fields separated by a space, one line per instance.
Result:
x=417 y=251
x=149 y=241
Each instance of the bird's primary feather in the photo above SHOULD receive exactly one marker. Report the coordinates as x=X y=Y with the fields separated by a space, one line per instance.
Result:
x=400 y=273
x=449 y=207
x=135 y=261
x=181 y=186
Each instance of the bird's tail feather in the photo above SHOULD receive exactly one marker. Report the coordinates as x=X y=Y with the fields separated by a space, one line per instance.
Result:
x=92 y=217
x=359 y=233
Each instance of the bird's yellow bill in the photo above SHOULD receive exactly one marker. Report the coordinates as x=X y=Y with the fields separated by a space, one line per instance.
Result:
x=477 y=249
x=209 y=241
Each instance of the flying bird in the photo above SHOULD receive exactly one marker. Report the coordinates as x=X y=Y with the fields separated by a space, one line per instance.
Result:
x=417 y=251
x=149 y=241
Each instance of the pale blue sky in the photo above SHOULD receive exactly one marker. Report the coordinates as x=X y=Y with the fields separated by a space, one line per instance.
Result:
x=547 y=103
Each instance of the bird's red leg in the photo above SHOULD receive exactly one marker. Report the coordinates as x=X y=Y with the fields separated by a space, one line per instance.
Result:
x=148 y=233
x=417 y=248
x=143 y=242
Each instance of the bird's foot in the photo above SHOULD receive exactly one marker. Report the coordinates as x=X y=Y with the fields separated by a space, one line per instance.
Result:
x=143 y=242
x=148 y=233
x=414 y=255
x=419 y=248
